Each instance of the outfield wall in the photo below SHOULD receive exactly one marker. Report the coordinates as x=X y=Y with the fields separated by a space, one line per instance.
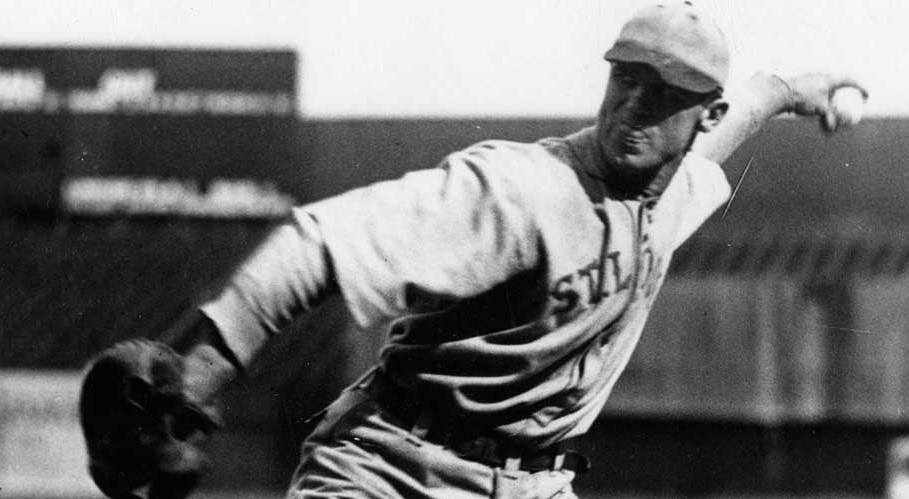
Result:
x=779 y=332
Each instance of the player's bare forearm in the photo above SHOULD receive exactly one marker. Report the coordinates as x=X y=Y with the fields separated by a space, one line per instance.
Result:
x=764 y=96
x=209 y=363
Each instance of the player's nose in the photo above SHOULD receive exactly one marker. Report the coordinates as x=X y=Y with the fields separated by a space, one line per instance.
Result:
x=639 y=105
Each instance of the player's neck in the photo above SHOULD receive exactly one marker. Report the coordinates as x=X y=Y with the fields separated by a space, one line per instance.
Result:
x=646 y=185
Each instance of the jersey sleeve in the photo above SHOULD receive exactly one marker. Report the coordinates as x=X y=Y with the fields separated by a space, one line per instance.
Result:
x=439 y=234
x=698 y=189
x=286 y=275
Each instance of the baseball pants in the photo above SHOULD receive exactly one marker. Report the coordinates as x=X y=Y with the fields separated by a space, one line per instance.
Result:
x=357 y=452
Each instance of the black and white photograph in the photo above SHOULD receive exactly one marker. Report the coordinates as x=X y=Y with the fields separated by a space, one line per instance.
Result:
x=509 y=249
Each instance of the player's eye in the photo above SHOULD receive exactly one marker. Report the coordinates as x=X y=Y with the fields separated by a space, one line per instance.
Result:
x=674 y=96
x=624 y=78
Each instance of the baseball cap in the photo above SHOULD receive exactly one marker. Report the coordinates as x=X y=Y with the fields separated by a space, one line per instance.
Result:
x=680 y=42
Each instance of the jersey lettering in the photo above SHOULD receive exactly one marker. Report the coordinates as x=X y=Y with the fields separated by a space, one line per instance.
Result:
x=621 y=284
x=590 y=284
x=566 y=296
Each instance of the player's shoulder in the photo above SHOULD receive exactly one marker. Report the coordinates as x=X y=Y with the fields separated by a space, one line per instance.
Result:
x=544 y=149
x=539 y=164
x=506 y=150
x=526 y=174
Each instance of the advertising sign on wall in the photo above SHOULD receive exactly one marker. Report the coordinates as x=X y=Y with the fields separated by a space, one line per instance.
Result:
x=147 y=132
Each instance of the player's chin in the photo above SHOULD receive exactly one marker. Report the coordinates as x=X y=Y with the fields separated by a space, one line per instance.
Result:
x=634 y=164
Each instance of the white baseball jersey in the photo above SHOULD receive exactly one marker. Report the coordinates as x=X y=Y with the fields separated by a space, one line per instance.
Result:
x=513 y=282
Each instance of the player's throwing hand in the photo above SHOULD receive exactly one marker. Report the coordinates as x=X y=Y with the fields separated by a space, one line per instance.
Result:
x=812 y=94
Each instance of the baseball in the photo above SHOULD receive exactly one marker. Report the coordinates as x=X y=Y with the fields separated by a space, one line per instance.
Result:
x=848 y=104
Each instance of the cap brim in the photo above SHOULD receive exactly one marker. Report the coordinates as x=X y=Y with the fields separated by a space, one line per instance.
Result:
x=671 y=70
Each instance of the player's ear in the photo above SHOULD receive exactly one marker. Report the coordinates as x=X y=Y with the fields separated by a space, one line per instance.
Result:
x=712 y=115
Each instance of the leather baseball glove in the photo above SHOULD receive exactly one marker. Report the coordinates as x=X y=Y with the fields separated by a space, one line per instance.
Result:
x=140 y=427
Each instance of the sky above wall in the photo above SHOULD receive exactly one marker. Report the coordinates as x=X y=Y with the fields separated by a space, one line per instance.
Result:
x=460 y=58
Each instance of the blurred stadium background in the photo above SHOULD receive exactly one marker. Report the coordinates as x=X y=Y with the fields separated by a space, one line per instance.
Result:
x=144 y=151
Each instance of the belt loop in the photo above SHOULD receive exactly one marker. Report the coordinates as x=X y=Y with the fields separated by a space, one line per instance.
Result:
x=513 y=458
x=558 y=462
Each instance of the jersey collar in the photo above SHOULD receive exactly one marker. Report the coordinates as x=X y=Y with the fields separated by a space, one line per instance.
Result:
x=590 y=166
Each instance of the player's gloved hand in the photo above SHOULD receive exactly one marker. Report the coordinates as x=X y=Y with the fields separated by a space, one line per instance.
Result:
x=810 y=95
x=140 y=425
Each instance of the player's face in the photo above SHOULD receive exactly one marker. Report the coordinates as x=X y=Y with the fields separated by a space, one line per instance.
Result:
x=645 y=123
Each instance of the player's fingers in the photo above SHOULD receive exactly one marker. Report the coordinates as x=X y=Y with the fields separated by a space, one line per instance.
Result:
x=843 y=80
x=829 y=121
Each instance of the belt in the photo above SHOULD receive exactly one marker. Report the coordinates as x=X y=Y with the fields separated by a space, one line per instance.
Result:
x=443 y=426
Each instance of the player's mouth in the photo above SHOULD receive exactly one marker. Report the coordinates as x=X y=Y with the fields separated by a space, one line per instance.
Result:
x=631 y=139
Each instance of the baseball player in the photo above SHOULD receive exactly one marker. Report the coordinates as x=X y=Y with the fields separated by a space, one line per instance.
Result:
x=514 y=281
